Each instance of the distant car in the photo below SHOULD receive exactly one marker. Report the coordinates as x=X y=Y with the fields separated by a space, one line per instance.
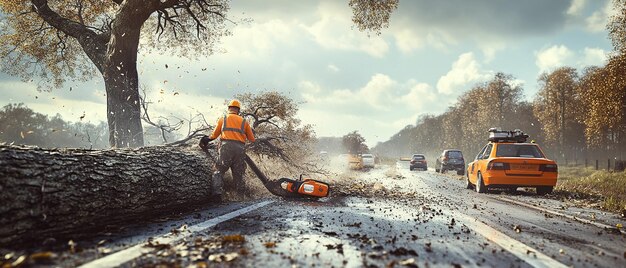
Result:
x=418 y=161
x=451 y=160
x=368 y=160
x=508 y=161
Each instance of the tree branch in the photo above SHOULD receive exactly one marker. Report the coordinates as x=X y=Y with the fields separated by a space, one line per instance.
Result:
x=69 y=27
x=194 y=134
x=93 y=44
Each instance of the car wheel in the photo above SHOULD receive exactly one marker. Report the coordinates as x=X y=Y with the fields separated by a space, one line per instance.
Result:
x=468 y=183
x=480 y=185
x=543 y=190
x=410 y=168
x=460 y=172
x=443 y=170
x=437 y=170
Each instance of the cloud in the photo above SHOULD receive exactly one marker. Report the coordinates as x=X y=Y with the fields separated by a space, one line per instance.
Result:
x=387 y=104
x=67 y=104
x=556 y=56
x=257 y=41
x=553 y=57
x=487 y=17
x=407 y=40
x=330 y=31
x=593 y=57
x=597 y=21
x=465 y=71
x=576 y=7
x=333 y=68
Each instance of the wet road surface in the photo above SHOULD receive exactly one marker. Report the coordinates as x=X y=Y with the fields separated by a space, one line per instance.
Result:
x=413 y=219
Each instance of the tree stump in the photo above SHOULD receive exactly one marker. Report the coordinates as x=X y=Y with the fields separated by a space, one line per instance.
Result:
x=68 y=193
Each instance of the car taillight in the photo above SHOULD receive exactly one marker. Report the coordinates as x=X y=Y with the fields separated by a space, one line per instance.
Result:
x=445 y=158
x=498 y=166
x=549 y=168
x=412 y=161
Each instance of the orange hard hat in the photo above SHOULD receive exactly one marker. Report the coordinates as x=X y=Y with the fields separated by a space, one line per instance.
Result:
x=234 y=103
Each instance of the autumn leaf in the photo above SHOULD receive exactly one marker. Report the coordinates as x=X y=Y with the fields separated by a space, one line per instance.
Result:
x=233 y=238
x=42 y=256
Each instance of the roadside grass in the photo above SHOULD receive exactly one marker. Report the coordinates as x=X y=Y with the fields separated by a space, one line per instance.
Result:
x=608 y=189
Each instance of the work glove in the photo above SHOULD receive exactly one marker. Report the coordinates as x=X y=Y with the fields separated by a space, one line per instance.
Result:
x=204 y=143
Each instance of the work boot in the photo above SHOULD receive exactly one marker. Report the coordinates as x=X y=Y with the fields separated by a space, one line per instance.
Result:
x=217 y=184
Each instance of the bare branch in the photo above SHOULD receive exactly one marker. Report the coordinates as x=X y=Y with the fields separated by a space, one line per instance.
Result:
x=192 y=135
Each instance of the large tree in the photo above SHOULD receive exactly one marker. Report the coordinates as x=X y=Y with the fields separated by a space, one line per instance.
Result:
x=55 y=40
x=557 y=106
x=354 y=143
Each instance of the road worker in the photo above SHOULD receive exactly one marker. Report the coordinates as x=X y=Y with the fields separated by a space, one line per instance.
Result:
x=233 y=131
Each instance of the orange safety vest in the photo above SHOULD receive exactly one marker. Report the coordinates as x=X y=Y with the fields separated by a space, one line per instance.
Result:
x=233 y=127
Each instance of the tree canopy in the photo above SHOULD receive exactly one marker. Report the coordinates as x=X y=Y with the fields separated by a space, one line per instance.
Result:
x=354 y=143
x=56 y=39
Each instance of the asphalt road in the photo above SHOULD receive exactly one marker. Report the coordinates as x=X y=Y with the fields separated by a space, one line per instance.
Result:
x=411 y=219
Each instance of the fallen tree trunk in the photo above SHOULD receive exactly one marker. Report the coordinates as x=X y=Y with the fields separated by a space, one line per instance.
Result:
x=67 y=193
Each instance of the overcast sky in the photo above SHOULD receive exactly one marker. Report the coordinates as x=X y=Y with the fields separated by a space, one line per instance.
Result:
x=432 y=52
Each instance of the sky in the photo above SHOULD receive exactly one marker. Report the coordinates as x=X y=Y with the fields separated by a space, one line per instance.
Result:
x=348 y=80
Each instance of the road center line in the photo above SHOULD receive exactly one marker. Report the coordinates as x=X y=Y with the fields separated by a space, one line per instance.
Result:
x=519 y=249
x=126 y=255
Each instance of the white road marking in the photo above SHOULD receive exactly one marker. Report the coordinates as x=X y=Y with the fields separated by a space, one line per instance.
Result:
x=519 y=249
x=526 y=253
x=545 y=210
x=126 y=255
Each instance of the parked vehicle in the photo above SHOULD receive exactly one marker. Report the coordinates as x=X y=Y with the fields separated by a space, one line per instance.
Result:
x=418 y=161
x=451 y=160
x=368 y=160
x=508 y=161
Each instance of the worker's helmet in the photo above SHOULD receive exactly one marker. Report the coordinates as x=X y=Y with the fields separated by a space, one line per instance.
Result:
x=234 y=103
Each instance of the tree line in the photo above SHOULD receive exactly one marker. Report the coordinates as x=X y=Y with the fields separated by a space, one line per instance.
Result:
x=573 y=116
x=576 y=114
x=20 y=124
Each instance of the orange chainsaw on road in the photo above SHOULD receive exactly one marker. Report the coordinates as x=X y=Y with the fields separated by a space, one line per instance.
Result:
x=285 y=187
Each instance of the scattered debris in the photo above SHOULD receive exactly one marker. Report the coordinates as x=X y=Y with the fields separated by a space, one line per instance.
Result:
x=409 y=263
x=42 y=257
x=223 y=257
x=233 y=239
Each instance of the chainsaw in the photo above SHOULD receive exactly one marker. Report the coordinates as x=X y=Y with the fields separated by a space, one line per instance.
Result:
x=285 y=187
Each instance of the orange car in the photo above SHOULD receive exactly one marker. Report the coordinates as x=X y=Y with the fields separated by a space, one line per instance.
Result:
x=508 y=161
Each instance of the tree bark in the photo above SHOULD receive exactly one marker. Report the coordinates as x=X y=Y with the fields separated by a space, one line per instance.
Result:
x=121 y=77
x=69 y=193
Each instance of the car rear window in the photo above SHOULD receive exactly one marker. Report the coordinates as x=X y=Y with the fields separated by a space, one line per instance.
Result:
x=418 y=157
x=455 y=154
x=518 y=150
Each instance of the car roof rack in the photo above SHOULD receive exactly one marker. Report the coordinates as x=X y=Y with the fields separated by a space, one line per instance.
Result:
x=497 y=135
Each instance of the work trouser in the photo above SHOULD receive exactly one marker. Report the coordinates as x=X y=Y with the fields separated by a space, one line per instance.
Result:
x=231 y=155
